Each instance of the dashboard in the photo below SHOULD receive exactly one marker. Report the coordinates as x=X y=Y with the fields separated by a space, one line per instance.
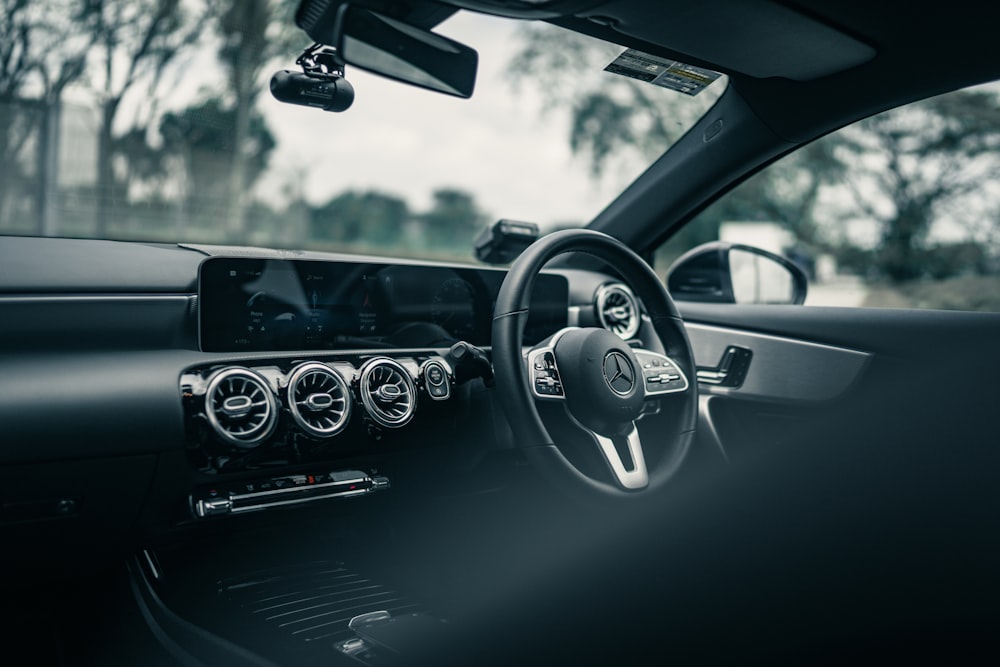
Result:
x=166 y=391
x=325 y=359
x=205 y=372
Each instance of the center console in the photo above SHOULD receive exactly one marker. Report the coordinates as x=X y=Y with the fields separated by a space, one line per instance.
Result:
x=321 y=372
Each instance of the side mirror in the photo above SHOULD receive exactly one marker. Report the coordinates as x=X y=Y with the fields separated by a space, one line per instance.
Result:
x=390 y=47
x=721 y=272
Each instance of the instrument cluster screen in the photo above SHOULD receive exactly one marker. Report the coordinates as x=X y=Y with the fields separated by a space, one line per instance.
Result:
x=250 y=304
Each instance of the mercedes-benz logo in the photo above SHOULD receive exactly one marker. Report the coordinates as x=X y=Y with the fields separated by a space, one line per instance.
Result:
x=618 y=373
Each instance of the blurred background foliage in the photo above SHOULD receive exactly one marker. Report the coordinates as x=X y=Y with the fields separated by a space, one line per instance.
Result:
x=179 y=173
x=914 y=214
x=908 y=200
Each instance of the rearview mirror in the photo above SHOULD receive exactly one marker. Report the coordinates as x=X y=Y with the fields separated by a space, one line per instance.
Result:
x=390 y=47
x=721 y=272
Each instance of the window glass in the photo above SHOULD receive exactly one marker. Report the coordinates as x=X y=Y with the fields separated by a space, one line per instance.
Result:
x=901 y=210
x=118 y=122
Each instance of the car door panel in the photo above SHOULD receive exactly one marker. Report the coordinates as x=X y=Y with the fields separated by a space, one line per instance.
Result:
x=781 y=368
x=883 y=377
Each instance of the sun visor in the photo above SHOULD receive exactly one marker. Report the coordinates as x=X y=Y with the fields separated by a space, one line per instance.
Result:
x=760 y=38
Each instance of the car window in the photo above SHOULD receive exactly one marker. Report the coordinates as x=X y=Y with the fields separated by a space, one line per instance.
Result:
x=900 y=210
x=117 y=123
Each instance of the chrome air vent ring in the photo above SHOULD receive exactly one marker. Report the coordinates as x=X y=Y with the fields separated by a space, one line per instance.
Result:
x=617 y=310
x=241 y=407
x=387 y=392
x=319 y=400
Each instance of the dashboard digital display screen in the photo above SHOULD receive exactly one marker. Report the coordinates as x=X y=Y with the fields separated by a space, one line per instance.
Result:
x=280 y=304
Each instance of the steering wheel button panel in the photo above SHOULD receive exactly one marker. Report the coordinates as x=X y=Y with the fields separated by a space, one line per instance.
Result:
x=545 y=380
x=661 y=374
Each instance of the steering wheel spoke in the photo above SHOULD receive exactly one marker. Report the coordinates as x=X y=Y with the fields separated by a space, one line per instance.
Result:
x=630 y=475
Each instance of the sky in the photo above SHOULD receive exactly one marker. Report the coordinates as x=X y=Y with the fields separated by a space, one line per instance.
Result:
x=401 y=139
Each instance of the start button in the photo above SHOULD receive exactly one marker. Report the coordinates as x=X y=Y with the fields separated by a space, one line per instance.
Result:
x=436 y=380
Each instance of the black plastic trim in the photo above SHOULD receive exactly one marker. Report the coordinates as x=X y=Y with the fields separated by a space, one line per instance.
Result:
x=188 y=643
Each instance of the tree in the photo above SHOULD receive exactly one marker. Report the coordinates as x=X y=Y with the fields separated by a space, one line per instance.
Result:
x=787 y=193
x=906 y=169
x=453 y=221
x=617 y=118
x=203 y=139
x=611 y=117
x=369 y=217
x=18 y=61
x=253 y=33
x=136 y=40
x=923 y=163
x=41 y=52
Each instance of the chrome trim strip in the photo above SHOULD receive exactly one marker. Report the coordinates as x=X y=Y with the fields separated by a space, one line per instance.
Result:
x=234 y=497
x=340 y=488
x=92 y=298
x=369 y=617
x=637 y=478
x=707 y=429
x=296 y=501
x=149 y=562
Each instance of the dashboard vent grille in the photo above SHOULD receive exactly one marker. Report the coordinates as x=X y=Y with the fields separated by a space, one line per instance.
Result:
x=618 y=310
x=388 y=392
x=241 y=407
x=319 y=400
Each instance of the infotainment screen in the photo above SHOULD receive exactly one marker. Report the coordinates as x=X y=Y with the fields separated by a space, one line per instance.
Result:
x=280 y=304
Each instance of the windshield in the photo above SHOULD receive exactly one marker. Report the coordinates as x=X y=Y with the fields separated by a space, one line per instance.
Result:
x=152 y=120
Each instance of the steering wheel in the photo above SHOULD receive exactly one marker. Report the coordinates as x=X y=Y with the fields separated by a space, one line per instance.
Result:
x=604 y=384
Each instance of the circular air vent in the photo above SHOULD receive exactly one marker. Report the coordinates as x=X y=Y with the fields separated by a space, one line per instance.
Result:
x=319 y=400
x=241 y=407
x=617 y=310
x=388 y=392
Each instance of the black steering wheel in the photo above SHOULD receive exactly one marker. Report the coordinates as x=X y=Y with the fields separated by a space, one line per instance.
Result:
x=604 y=384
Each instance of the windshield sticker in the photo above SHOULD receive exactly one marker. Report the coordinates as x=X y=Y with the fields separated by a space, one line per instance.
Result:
x=662 y=72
